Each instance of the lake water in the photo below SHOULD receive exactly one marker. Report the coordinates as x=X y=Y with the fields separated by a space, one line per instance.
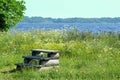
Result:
x=93 y=27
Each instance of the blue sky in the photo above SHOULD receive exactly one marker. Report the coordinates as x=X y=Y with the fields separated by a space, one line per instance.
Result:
x=73 y=8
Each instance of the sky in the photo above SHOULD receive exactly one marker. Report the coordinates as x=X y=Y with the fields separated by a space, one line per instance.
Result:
x=73 y=8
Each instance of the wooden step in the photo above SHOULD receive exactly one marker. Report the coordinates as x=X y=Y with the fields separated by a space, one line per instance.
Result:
x=39 y=57
x=56 y=55
x=27 y=66
x=41 y=52
x=36 y=57
x=23 y=65
x=50 y=62
x=40 y=60
x=47 y=51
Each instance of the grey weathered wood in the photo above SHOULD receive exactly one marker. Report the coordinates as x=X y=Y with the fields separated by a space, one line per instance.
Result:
x=37 y=66
x=28 y=65
x=28 y=59
x=39 y=52
x=56 y=55
x=41 y=59
x=32 y=59
x=36 y=57
x=47 y=51
x=35 y=53
x=50 y=62
x=23 y=65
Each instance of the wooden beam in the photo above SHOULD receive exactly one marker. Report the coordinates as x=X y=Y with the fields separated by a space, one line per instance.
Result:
x=50 y=62
x=46 y=51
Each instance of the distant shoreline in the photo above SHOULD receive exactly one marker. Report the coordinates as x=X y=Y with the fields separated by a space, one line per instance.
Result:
x=70 y=20
x=83 y=27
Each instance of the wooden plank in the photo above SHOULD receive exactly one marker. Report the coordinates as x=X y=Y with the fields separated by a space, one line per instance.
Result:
x=36 y=53
x=27 y=66
x=42 y=54
x=37 y=66
x=50 y=62
x=35 y=57
x=39 y=58
x=47 y=51
x=53 y=55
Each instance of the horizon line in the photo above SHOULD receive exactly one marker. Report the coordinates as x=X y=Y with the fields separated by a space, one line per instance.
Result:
x=71 y=17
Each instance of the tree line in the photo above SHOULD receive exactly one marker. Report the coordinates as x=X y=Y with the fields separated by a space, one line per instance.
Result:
x=70 y=20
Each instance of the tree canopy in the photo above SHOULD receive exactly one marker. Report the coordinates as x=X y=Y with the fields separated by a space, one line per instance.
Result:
x=11 y=12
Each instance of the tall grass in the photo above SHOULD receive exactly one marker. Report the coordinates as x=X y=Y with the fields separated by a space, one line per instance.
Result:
x=83 y=55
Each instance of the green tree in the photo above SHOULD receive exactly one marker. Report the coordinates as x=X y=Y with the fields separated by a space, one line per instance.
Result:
x=11 y=12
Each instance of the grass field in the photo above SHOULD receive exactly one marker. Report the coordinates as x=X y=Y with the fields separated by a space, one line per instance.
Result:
x=83 y=55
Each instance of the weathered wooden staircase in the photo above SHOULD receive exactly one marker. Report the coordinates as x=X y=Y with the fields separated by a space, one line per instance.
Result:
x=40 y=59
